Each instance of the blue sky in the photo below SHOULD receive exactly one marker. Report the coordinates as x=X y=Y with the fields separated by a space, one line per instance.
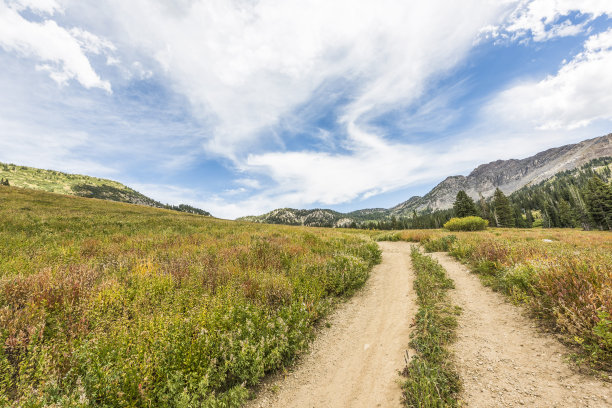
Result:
x=242 y=106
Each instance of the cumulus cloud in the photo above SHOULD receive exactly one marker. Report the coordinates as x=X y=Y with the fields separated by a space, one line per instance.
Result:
x=542 y=20
x=61 y=52
x=576 y=96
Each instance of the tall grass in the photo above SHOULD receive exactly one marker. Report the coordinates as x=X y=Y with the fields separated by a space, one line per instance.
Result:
x=431 y=377
x=111 y=304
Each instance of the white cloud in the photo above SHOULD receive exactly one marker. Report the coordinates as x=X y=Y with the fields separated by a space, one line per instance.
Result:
x=37 y=6
x=39 y=146
x=576 y=96
x=246 y=65
x=249 y=182
x=90 y=43
x=542 y=20
x=60 y=51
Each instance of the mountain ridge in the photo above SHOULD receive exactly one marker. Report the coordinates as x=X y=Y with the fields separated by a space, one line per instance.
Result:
x=508 y=175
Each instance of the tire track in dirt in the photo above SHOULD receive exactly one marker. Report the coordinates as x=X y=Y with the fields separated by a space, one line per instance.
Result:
x=504 y=360
x=355 y=362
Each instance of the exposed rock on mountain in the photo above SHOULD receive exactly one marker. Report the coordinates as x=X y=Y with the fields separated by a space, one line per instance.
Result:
x=508 y=175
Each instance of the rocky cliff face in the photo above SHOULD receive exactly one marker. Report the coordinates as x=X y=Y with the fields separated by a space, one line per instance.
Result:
x=508 y=175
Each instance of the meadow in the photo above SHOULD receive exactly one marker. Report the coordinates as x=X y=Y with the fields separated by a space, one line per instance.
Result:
x=563 y=277
x=118 y=305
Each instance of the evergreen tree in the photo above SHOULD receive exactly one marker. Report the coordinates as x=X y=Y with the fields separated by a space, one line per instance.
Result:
x=464 y=205
x=528 y=219
x=566 y=215
x=598 y=198
x=485 y=211
x=519 y=221
x=502 y=210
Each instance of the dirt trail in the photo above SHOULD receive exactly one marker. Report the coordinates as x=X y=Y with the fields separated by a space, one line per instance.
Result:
x=355 y=362
x=505 y=361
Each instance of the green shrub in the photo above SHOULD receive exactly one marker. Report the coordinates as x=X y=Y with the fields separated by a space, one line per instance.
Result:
x=466 y=224
x=461 y=250
x=387 y=236
x=431 y=376
x=442 y=244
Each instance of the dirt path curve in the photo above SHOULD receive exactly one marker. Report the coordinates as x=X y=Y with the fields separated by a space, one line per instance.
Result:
x=505 y=361
x=355 y=362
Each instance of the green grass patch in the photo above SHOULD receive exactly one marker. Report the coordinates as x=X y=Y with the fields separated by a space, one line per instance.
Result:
x=431 y=377
x=440 y=244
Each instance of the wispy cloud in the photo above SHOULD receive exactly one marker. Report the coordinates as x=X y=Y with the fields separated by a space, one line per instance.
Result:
x=301 y=102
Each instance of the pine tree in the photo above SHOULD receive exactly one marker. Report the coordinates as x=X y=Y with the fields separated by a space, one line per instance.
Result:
x=598 y=198
x=502 y=210
x=528 y=219
x=519 y=221
x=464 y=205
x=485 y=211
x=566 y=215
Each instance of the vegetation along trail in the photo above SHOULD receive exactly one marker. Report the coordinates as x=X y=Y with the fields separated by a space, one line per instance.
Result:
x=504 y=360
x=355 y=362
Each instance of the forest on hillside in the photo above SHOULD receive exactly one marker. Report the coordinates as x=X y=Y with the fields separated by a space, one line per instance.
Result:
x=581 y=197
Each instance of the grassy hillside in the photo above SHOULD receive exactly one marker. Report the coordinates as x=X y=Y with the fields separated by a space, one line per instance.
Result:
x=111 y=304
x=79 y=185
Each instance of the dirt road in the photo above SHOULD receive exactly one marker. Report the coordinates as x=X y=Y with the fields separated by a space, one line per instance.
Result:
x=505 y=361
x=355 y=362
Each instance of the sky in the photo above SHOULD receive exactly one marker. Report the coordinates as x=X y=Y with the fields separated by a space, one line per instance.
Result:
x=242 y=106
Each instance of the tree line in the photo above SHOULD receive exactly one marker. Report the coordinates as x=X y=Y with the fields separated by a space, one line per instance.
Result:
x=580 y=197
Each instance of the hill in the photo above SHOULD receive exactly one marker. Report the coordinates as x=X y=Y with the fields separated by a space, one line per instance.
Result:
x=83 y=186
x=508 y=175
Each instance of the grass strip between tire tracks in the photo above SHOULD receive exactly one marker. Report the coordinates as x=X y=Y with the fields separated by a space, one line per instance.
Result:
x=431 y=376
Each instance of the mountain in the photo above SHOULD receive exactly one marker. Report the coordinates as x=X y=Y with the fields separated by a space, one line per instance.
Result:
x=292 y=216
x=508 y=175
x=83 y=186
x=318 y=217
x=563 y=200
